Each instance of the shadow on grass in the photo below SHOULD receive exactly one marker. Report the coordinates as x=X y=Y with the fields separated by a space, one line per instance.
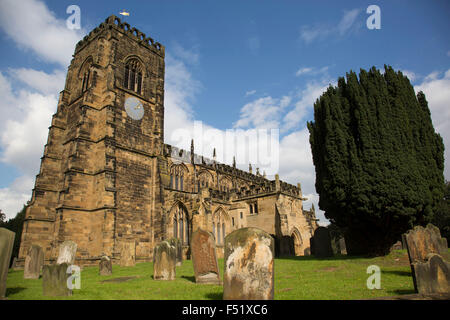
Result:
x=15 y=290
x=214 y=296
x=398 y=273
x=313 y=258
x=402 y=291
x=189 y=278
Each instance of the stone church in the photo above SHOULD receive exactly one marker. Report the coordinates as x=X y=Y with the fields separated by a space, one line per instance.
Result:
x=107 y=177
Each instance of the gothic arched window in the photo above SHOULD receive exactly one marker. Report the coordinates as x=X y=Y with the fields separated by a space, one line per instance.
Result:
x=181 y=224
x=133 y=76
x=85 y=75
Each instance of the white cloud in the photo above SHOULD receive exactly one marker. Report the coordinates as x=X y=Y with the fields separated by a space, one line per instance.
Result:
x=312 y=71
x=347 y=21
x=250 y=93
x=437 y=92
x=40 y=81
x=304 y=106
x=262 y=113
x=15 y=196
x=346 y=24
x=33 y=26
x=411 y=75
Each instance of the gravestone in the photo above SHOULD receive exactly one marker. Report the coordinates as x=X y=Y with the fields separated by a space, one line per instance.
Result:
x=338 y=246
x=432 y=276
x=14 y=264
x=164 y=261
x=6 y=247
x=67 y=253
x=105 y=266
x=128 y=254
x=342 y=247
x=179 y=249
x=33 y=262
x=322 y=243
x=54 y=280
x=397 y=246
x=249 y=265
x=420 y=242
x=204 y=258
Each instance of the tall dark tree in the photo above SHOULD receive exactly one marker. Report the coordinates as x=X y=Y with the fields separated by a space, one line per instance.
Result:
x=16 y=225
x=378 y=160
x=441 y=217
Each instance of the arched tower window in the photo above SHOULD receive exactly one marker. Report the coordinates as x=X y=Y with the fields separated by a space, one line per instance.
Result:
x=85 y=75
x=133 y=76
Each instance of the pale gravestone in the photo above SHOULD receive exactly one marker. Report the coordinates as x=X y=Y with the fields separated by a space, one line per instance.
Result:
x=67 y=253
x=429 y=270
x=164 y=261
x=54 y=280
x=128 y=254
x=179 y=248
x=249 y=265
x=420 y=242
x=432 y=276
x=322 y=243
x=6 y=247
x=204 y=258
x=33 y=262
x=105 y=266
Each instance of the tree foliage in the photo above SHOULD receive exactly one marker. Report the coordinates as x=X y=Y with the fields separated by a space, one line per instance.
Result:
x=378 y=161
x=15 y=225
x=441 y=217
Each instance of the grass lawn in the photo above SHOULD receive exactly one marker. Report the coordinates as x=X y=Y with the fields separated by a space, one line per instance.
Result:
x=296 y=278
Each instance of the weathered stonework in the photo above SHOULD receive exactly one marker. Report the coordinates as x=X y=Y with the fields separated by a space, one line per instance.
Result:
x=54 y=280
x=164 y=261
x=420 y=242
x=67 y=253
x=204 y=258
x=33 y=263
x=128 y=254
x=106 y=178
x=6 y=247
x=432 y=276
x=105 y=266
x=249 y=265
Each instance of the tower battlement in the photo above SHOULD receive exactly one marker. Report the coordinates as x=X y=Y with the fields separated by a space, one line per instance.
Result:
x=114 y=22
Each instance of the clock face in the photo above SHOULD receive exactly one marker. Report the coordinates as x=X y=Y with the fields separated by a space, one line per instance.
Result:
x=134 y=108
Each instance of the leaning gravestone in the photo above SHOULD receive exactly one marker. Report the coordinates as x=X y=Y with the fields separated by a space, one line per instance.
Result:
x=204 y=258
x=420 y=242
x=432 y=276
x=164 y=261
x=6 y=247
x=105 y=266
x=67 y=253
x=179 y=248
x=54 y=280
x=322 y=243
x=33 y=262
x=249 y=265
x=128 y=254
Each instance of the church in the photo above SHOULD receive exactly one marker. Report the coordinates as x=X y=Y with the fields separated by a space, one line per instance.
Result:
x=107 y=177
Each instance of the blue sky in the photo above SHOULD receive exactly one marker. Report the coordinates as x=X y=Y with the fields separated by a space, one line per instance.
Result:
x=230 y=64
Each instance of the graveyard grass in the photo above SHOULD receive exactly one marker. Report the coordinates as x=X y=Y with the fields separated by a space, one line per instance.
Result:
x=296 y=278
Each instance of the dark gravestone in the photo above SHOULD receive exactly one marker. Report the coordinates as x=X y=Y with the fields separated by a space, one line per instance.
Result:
x=179 y=249
x=432 y=276
x=54 y=280
x=322 y=243
x=420 y=242
x=397 y=246
x=105 y=266
x=342 y=247
x=34 y=261
x=67 y=253
x=164 y=261
x=204 y=258
x=6 y=247
x=249 y=265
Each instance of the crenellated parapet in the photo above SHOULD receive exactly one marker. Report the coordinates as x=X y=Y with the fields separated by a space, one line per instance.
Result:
x=114 y=22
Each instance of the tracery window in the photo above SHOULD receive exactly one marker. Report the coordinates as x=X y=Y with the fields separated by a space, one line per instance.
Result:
x=133 y=76
x=181 y=225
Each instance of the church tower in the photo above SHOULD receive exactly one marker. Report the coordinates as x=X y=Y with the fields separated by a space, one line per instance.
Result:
x=100 y=177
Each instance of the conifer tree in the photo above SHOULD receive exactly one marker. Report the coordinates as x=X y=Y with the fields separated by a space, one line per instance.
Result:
x=378 y=160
